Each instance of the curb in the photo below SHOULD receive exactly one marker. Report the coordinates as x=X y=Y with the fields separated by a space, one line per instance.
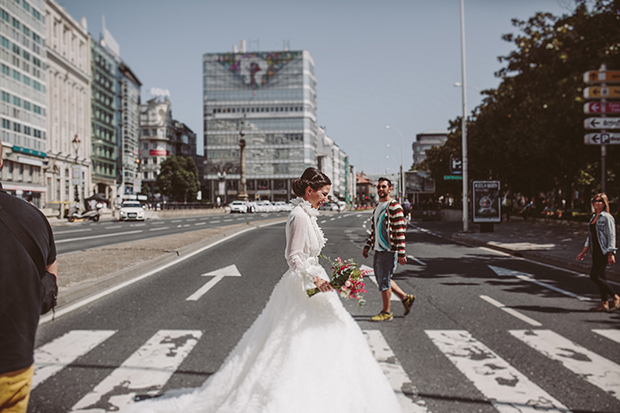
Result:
x=612 y=275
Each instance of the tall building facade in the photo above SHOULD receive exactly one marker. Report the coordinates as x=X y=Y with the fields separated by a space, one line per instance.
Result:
x=269 y=100
x=104 y=101
x=160 y=137
x=128 y=163
x=157 y=136
x=67 y=176
x=23 y=98
x=427 y=140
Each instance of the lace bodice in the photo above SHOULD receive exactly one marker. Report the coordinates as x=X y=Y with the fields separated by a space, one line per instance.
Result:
x=304 y=242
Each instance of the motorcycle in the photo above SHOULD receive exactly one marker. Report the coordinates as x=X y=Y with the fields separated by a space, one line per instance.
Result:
x=92 y=214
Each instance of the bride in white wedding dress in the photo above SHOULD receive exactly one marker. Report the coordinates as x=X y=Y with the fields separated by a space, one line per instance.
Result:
x=301 y=354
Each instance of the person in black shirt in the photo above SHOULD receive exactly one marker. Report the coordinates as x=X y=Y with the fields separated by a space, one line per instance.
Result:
x=20 y=297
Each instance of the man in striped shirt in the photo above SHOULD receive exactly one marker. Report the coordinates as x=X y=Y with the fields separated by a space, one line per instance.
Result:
x=387 y=239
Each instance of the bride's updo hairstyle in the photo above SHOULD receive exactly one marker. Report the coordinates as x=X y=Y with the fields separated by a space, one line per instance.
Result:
x=312 y=178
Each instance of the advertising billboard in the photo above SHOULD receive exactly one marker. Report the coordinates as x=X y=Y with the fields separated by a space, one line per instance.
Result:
x=486 y=201
x=419 y=182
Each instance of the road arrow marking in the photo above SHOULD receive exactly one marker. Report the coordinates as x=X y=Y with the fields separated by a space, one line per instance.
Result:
x=504 y=272
x=218 y=275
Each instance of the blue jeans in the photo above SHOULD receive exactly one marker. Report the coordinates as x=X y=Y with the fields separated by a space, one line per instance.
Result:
x=384 y=263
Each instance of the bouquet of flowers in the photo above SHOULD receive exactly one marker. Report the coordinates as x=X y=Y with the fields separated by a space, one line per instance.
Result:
x=346 y=279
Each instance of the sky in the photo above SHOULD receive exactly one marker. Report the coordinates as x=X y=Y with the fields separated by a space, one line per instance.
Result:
x=377 y=63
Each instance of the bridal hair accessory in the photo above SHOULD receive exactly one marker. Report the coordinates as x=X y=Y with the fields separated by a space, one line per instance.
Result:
x=312 y=213
x=346 y=279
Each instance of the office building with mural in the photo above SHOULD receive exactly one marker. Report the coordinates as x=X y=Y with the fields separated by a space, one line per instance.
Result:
x=268 y=100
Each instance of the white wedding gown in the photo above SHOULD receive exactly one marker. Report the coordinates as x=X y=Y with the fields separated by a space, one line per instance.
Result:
x=301 y=354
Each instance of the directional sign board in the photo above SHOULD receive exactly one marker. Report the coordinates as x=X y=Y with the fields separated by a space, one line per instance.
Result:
x=602 y=139
x=601 y=107
x=599 y=76
x=598 y=92
x=602 y=123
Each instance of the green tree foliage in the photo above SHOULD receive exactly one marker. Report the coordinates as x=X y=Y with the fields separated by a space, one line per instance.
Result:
x=178 y=178
x=528 y=133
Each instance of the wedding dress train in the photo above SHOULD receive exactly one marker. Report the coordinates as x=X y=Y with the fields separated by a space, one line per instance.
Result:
x=301 y=354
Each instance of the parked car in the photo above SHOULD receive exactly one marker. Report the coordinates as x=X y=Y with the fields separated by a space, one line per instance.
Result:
x=330 y=206
x=238 y=207
x=264 y=206
x=280 y=206
x=131 y=210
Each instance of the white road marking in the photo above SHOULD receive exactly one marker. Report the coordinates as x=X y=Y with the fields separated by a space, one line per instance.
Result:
x=158 y=229
x=177 y=220
x=503 y=272
x=158 y=223
x=218 y=275
x=99 y=236
x=74 y=230
x=506 y=388
x=114 y=227
x=215 y=222
x=599 y=371
x=191 y=219
x=52 y=357
x=144 y=372
x=79 y=304
x=227 y=220
x=510 y=311
x=200 y=223
x=610 y=334
x=394 y=372
x=412 y=258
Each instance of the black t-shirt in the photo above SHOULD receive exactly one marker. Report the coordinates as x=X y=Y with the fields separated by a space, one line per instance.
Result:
x=20 y=285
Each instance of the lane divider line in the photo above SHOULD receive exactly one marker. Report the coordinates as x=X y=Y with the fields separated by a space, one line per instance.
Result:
x=510 y=311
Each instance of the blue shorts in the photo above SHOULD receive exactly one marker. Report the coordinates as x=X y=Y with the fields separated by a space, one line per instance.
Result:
x=384 y=263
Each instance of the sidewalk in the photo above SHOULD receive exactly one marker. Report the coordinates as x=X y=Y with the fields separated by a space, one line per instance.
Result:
x=553 y=242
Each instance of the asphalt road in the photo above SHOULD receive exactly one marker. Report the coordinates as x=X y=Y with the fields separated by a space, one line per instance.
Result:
x=488 y=332
x=88 y=234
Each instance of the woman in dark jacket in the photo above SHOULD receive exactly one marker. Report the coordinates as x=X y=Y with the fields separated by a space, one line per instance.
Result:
x=602 y=241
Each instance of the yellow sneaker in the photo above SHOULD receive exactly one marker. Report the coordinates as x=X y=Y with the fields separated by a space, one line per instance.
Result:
x=382 y=316
x=408 y=302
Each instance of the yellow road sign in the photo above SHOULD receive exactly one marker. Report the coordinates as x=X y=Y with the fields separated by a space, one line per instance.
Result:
x=598 y=92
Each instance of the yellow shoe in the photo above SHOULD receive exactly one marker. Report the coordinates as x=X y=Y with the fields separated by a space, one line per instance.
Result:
x=408 y=302
x=382 y=316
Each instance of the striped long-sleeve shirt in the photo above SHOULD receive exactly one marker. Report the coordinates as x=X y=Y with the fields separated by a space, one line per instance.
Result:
x=395 y=220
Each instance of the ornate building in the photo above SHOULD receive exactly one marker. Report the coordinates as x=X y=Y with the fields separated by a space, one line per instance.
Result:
x=68 y=101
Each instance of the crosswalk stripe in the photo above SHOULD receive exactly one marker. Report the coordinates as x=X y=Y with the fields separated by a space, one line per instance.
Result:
x=610 y=334
x=601 y=372
x=144 y=372
x=52 y=357
x=506 y=388
x=394 y=372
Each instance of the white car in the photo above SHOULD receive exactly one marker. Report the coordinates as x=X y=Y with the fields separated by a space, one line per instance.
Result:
x=131 y=210
x=264 y=206
x=279 y=206
x=239 y=207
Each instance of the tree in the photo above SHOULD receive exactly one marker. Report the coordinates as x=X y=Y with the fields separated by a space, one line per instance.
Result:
x=178 y=178
x=528 y=133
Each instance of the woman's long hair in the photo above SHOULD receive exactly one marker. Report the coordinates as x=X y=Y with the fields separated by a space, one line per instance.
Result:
x=312 y=178
x=603 y=196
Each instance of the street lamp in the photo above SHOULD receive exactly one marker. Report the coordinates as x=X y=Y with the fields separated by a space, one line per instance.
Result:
x=243 y=195
x=464 y=126
x=402 y=162
x=76 y=145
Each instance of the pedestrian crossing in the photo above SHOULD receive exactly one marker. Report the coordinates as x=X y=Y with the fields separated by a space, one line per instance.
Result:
x=507 y=389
